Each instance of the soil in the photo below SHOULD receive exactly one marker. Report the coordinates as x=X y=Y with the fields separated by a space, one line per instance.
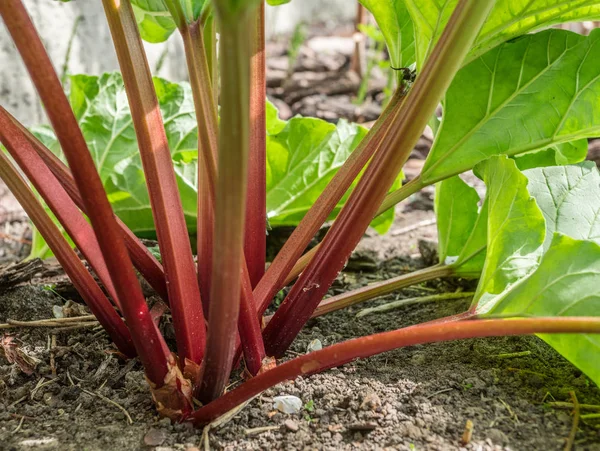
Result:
x=81 y=395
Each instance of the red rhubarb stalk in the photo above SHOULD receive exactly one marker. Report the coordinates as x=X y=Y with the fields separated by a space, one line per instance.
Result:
x=148 y=341
x=275 y=277
x=171 y=228
x=371 y=345
x=255 y=240
x=363 y=203
x=82 y=280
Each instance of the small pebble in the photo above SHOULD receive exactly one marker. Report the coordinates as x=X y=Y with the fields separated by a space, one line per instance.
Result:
x=291 y=425
x=155 y=437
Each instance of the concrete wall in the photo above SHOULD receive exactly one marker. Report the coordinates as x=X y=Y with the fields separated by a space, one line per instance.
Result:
x=92 y=51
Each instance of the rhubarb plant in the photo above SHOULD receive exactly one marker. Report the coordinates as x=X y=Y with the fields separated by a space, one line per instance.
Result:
x=516 y=110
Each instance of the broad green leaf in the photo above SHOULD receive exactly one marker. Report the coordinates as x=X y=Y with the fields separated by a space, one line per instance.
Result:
x=397 y=28
x=472 y=256
x=277 y=2
x=532 y=93
x=456 y=209
x=569 y=197
x=516 y=229
x=507 y=20
x=566 y=283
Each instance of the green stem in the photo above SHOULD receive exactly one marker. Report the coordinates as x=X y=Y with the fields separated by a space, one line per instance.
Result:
x=381 y=289
x=411 y=301
x=350 y=350
x=229 y=205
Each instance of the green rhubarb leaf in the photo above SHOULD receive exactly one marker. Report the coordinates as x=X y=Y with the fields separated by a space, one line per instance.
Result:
x=397 y=28
x=566 y=283
x=456 y=209
x=516 y=229
x=277 y=2
x=524 y=96
x=507 y=20
x=303 y=154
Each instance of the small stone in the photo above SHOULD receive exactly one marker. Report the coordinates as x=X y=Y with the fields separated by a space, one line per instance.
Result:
x=497 y=436
x=192 y=448
x=367 y=426
x=155 y=437
x=291 y=425
x=371 y=402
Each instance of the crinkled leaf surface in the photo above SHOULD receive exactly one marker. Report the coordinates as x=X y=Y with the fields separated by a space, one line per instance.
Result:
x=507 y=20
x=569 y=197
x=558 y=155
x=526 y=95
x=396 y=25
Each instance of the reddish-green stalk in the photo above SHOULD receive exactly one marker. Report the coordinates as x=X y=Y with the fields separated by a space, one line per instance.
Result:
x=230 y=203
x=354 y=297
x=56 y=197
x=350 y=350
x=149 y=267
x=206 y=115
x=291 y=251
x=167 y=211
x=255 y=241
x=148 y=342
x=80 y=277
x=200 y=81
x=390 y=200
x=353 y=220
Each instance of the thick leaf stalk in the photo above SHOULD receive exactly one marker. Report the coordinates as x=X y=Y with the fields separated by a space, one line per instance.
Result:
x=390 y=200
x=68 y=259
x=255 y=241
x=148 y=342
x=206 y=115
x=228 y=252
x=362 y=205
x=275 y=277
x=371 y=345
x=171 y=228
